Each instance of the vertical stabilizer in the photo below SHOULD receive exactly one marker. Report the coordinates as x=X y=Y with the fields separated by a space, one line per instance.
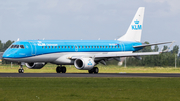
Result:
x=135 y=29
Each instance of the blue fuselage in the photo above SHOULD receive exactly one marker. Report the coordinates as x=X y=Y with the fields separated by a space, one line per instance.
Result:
x=41 y=47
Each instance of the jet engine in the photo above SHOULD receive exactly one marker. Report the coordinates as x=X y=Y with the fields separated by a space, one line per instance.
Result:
x=84 y=63
x=35 y=65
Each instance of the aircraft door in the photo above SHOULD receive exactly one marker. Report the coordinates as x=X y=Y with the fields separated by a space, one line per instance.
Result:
x=122 y=46
x=33 y=48
x=76 y=47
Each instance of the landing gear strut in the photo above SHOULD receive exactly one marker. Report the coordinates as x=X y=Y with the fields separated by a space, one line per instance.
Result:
x=94 y=70
x=61 y=69
x=21 y=70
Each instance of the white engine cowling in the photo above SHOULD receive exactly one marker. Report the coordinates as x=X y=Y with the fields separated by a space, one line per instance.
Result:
x=35 y=65
x=84 y=63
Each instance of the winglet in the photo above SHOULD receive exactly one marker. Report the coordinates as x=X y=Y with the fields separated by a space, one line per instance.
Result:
x=168 y=47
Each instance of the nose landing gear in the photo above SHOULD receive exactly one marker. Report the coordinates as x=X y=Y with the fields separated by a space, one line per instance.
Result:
x=21 y=70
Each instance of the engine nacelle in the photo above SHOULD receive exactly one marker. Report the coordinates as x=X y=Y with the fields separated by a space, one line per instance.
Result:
x=84 y=63
x=35 y=65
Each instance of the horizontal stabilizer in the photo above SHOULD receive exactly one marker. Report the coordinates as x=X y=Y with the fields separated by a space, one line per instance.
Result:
x=145 y=45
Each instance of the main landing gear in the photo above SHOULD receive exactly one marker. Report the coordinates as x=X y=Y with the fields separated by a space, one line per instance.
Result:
x=94 y=70
x=21 y=70
x=61 y=69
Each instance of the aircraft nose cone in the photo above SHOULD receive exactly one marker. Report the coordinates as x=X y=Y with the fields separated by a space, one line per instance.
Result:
x=7 y=54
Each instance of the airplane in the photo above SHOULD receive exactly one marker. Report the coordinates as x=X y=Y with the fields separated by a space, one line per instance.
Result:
x=83 y=54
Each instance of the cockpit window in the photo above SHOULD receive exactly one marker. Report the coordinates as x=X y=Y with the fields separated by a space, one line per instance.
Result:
x=17 y=46
x=12 y=46
x=22 y=46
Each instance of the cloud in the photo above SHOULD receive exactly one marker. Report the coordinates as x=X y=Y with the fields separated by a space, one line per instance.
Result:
x=172 y=7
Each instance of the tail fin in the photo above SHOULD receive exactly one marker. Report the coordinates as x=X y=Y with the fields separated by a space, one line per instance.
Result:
x=135 y=29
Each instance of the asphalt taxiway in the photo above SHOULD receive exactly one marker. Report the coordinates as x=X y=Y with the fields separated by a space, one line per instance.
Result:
x=89 y=75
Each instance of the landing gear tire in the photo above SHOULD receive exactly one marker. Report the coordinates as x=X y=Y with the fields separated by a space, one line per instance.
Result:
x=21 y=70
x=60 y=69
x=63 y=69
x=94 y=70
x=90 y=71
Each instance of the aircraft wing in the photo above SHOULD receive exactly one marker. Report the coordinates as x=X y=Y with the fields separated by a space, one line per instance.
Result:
x=145 y=45
x=118 y=55
x=126 y=54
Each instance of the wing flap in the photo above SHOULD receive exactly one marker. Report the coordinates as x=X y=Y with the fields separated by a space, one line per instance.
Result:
x=126 y=54
x=117 y=55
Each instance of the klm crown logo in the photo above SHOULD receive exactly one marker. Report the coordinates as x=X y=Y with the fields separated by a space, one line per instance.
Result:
x=136 y=26
x=136 y=22
x=89 y=63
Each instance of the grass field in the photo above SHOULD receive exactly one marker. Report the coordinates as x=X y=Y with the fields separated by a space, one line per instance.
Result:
x=50 y=68
x=90 y=89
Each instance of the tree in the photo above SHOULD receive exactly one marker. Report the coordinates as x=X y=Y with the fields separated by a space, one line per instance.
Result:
x=7 y=44
x=164 y=48
x=1 y=46
x=156 y=48
x=175 y=49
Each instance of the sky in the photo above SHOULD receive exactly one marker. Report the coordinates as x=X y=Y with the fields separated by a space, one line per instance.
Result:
x=87 y=19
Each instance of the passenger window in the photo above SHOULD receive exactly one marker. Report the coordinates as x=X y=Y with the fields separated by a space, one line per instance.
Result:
x=86 y=46
x=97 y=46
x=62 y=47
x=109 y=46
x=49 y=47
x=55 y=46
x=75 y=46
x=100 y=46
x=46 y=46
x=68 y=46
x=106 y=46
x=52 y=46
x=103 y=46
x=59 y=46
x=42 y=46
x=82 y=46
x=89 y=47
x=112 y=46
x=72 y=46
x=79 y=47
x=65 y=47
x=92 y=46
